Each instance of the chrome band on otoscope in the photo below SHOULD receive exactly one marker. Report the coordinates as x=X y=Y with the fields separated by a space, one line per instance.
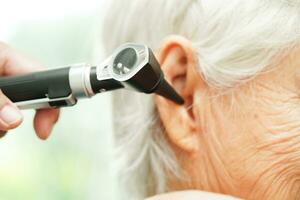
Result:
x=79 y=78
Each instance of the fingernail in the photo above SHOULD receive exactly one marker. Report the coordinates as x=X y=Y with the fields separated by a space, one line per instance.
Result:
x=10 y=114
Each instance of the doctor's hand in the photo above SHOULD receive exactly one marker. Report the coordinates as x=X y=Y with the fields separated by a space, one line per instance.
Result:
x=12 y=63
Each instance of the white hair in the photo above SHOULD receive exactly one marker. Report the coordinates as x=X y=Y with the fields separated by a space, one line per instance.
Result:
x=235 y=40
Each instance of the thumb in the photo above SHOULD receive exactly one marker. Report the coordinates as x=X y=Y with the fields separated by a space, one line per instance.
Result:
x=10 y=115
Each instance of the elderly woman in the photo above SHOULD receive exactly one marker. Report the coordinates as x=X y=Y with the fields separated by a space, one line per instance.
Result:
x=236 y=64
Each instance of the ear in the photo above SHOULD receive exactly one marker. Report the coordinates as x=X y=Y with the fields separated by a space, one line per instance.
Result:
x=179 y=62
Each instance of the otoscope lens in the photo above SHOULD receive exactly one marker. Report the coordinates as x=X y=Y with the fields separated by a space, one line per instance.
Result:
x=125 y=61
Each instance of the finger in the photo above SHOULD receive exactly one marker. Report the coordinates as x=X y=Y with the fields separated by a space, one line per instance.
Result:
x=13 y=63
x=44 y=121
x=10 y=115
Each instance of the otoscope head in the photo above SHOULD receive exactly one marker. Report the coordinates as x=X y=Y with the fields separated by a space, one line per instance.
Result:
x=136 y=67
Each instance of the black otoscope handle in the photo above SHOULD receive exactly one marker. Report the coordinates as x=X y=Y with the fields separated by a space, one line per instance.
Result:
x=44 y=84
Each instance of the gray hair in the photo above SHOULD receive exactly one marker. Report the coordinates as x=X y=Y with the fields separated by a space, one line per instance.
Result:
x=235 y=40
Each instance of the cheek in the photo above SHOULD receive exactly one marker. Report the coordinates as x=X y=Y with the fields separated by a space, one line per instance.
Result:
x=265 y=143
x=249 y=141
x=283 y=129
x=230 y=141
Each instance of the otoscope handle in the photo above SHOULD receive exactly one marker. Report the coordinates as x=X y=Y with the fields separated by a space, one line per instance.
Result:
x=51 y=84
x=57 y=87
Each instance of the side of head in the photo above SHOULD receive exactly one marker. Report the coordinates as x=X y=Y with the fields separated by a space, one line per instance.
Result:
x=238 y=132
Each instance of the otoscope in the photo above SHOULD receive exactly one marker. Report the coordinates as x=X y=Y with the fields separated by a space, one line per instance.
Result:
x=131 y=66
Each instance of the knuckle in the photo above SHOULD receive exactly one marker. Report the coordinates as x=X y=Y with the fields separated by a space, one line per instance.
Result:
x=14 y=125
x=4 y=127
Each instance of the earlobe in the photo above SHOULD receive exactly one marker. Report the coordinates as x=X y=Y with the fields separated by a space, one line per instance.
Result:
x=179 y=62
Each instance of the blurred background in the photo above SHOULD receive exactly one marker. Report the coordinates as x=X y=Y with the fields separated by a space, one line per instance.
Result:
x=76 y=161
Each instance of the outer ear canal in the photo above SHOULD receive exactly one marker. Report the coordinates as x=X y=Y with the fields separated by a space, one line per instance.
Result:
x=177 y=58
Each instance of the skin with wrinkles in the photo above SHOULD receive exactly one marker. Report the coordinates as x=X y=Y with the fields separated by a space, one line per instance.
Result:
x=244 y=141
